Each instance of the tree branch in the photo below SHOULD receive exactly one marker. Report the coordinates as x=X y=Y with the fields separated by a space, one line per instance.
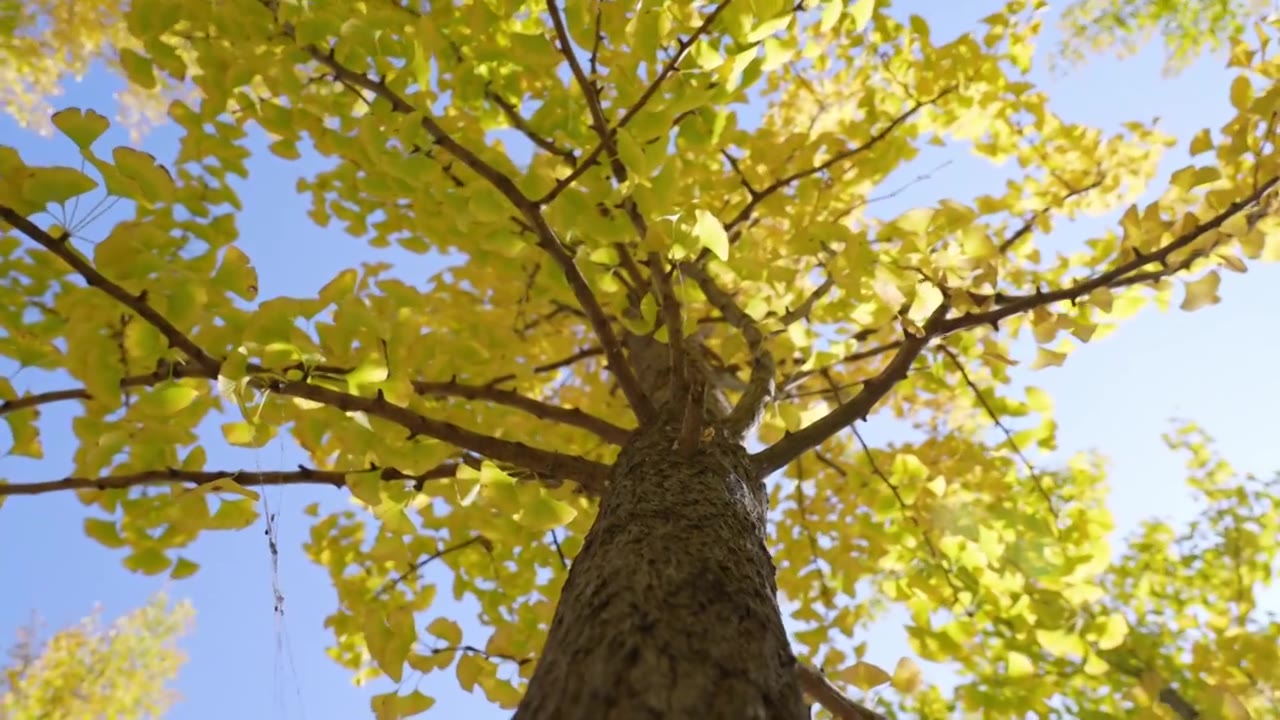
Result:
x=817 y=686
x=757 y=197
x=681 y=49
x=532 y=214
x=760 y=387
x=995 y=418
x=672 y=318
x=793 y=445
x=617 y=362
x=786 y=449
x=94 y=279
x=171 y=476
x=549 y=464
x=604 y=429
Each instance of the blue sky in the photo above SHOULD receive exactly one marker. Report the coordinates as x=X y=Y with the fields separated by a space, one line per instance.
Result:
x=1117 y=395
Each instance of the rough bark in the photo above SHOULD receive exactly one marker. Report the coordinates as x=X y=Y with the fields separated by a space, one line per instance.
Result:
x=670 y=611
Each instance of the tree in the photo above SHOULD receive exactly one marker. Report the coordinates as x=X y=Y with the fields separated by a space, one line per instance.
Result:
x=656 y=284
x=88 y=671
x=1187 y=28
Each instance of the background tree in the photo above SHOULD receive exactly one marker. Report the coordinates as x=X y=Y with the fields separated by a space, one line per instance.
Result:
x=1188 y=29
x=657 y=275
x=89 y=671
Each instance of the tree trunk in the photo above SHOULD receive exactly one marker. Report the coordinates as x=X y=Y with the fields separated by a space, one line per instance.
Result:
x=670 y=611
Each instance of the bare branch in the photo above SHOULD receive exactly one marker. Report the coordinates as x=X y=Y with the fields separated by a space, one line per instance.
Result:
x=197 y=478
x=94 y=279
x=522 y=126
x=819 y=688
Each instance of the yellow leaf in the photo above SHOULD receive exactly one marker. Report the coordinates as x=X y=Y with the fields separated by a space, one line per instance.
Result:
x=1115 y=629
x=55 y=185
x=104 y=531
x=709 y=233
x=470 y=667
x=542 y=512
x=239 y=433
x=864 y=675
x=861 y=12
x=233 y=515
x=153 y=181
x=82 y=126
x=1202 y=142
x=1202 y=293
x=1241 y=93
x=1047 y=358
x=1060 y=643
x=148 y=561
x=172 y=398
x=138 y=69
x=447 y=630
x=1019 y=665
x=907 y=676
x=237 y=274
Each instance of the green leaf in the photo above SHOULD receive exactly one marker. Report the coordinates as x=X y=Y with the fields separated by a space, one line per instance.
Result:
x=104 y=531
x=148 y=561
x=138 y=69
x=82 y=126
x=709 y=233
x=183 y=568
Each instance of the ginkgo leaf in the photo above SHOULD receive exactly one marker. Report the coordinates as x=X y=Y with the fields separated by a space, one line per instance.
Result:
x=1115 y=629
x=709 y=233
x=183 y=568
x=148 y=561
x=104 y=531
x=447 y=630
x=82 y=126
x=907 y=676
x=1202 y=292
x=1047 y=358
x=1019 y=665
x=55 y=185
x=864 y=675
x=153 y=182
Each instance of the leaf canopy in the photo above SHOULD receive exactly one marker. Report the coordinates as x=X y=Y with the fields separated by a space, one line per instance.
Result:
x=595 y=175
